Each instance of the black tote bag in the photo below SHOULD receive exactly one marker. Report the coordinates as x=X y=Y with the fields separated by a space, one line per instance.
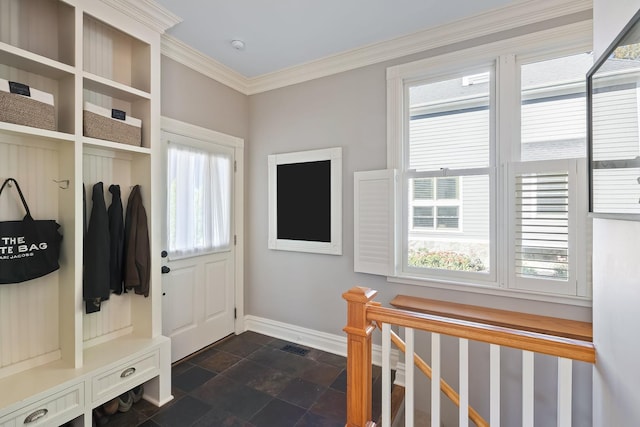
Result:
x=28 y=248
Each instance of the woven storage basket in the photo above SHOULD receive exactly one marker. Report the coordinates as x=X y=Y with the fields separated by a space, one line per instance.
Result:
x=98 y=123
x=36 y=111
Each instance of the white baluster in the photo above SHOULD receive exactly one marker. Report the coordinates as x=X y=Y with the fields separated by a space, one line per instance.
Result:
x=386 y=375
x=494 y=385
x=408 y=380
x=435 y=379
x=527 y=388
x=565 y=376
x=464 y=382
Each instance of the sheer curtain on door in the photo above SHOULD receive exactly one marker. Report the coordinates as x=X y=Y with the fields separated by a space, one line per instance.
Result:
x=199 y=201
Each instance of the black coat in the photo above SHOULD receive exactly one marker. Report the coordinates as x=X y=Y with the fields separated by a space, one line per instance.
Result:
x=116 y=234
x=96 y=254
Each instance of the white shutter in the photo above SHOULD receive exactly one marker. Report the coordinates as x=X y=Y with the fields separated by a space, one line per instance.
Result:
x=373 y=222
x=544 y=225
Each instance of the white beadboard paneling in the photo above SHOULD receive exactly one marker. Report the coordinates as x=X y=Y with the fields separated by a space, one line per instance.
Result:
x=108 y=52
x=98 y=48
x=98 y=57
x=38 y=24
x=108 y=168
x=28 y=310
x=9 y=16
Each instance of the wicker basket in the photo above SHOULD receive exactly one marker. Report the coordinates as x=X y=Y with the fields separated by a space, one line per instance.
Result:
x=98 y=123
x=36 y=110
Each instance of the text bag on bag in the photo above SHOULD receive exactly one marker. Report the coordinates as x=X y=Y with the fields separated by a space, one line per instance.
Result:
x=29 y=248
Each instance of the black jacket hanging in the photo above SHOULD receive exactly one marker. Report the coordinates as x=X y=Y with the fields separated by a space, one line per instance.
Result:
x=116 y=234
x=96 y=253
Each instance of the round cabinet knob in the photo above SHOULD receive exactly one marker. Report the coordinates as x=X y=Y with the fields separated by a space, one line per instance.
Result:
x=165 y=269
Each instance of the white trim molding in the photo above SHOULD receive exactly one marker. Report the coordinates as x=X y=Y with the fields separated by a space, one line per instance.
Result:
x=147 y=12
x=190 y=57
x=515 y=15
x=186 y=129
x=331 y=343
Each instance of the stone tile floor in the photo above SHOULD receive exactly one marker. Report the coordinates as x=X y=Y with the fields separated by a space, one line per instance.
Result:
x=248 y=380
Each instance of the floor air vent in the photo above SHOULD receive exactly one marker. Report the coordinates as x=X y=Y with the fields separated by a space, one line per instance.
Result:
x=295 y=350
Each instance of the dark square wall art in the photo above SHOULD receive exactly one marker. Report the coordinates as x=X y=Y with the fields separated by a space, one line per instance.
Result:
x=305 y=201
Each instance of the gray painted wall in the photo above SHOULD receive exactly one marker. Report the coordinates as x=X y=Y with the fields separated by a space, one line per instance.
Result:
x=616 y=288
x=193 y=98
x=347 y=110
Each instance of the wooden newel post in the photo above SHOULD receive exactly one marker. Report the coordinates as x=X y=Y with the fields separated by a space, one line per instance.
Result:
x=359 y=332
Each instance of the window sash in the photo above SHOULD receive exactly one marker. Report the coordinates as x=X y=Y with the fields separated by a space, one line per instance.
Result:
x=447 y=233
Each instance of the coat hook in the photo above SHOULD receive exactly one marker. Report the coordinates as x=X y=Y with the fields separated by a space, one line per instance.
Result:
x=63 y=183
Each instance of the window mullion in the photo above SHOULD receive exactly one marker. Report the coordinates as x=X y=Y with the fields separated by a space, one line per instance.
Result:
x=507 y=146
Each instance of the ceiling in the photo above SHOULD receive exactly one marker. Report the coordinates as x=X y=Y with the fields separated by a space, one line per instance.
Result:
x=284 y=33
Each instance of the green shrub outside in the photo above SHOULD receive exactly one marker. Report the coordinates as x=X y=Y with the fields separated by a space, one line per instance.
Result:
x=448 y=260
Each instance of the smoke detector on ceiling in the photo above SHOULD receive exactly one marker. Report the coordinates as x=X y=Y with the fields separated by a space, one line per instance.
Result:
x=237 y=44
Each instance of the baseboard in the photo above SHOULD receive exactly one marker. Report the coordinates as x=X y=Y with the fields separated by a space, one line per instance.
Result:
x=400 y=373
x=331 y=343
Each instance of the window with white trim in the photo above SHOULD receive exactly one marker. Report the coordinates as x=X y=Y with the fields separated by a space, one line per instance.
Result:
x=500 y=131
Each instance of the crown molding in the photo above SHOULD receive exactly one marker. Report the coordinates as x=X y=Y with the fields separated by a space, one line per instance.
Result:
x=175 y=49
x=496 y=20
x=491 y=22
x=147 y=12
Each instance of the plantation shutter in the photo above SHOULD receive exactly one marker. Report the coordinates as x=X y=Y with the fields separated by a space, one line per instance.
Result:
x=544 y=226
x=373 y=224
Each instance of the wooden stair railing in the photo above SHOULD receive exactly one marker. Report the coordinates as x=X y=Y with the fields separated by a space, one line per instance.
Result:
x=363 y=314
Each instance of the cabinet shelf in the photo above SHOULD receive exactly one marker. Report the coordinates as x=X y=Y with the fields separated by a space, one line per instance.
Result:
x=113 y=89
x=101 y=143
x=24 y=60
x=31 y=133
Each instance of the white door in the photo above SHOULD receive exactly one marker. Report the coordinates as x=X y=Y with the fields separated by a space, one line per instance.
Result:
x=199 y=257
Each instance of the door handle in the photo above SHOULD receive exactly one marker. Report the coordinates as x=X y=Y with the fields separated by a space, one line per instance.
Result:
x=165 y=269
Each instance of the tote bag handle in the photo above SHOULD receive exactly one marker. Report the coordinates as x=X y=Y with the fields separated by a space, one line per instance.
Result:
x=24 y=202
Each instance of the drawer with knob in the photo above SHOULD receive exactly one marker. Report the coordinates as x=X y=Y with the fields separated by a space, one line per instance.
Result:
x=107 y=385
x=53 y=410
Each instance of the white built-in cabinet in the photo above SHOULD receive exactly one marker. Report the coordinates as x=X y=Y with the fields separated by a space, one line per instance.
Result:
x=56 y=362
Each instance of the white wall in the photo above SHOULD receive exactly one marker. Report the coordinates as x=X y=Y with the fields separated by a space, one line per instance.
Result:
x=616 y=279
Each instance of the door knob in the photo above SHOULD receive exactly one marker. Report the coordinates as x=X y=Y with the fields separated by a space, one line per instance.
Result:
x=165 y=269
x=163 y=254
